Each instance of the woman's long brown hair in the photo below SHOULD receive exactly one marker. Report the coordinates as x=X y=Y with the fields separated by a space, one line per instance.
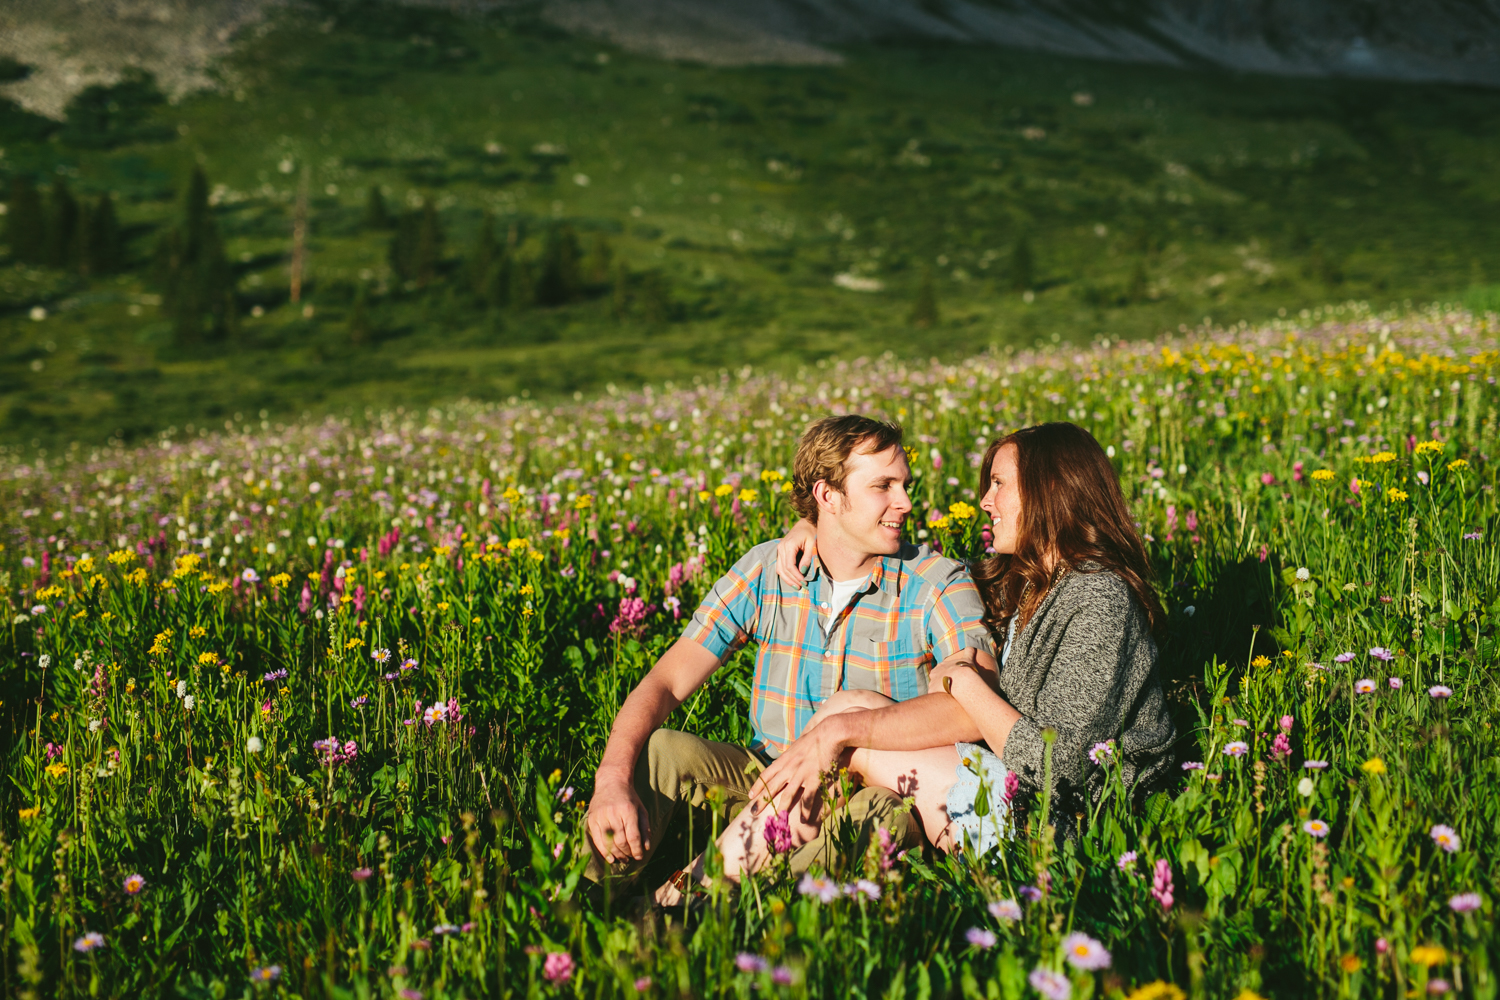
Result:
x=1071 y=507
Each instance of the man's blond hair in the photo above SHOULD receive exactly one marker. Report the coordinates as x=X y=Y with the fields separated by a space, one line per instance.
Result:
x=823 y=454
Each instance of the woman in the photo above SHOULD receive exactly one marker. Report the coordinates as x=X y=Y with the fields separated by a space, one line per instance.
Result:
x=1067 y=590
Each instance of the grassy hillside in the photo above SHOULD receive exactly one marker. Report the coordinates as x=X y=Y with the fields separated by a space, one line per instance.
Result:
x=723 y=217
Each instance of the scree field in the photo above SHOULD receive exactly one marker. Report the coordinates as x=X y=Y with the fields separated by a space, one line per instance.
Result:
x=313 y=710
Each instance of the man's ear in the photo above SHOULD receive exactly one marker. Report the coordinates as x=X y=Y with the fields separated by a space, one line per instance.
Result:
x=828 y=499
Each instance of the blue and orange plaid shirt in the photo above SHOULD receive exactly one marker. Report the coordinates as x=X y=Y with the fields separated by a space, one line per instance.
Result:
x=917 y=609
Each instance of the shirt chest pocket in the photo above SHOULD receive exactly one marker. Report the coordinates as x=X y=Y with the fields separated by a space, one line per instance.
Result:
x=893 y=661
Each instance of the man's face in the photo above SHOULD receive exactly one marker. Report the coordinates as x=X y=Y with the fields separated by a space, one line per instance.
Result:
x=871 y=511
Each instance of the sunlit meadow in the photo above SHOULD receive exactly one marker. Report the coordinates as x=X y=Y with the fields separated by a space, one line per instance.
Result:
x=314 y=710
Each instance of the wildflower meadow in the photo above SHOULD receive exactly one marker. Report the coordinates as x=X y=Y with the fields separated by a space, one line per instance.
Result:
x=313 y=710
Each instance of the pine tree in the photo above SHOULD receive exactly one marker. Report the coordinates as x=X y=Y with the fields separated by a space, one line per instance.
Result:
x=482 y=261
x=1022 y=266
x=558 y=278
x=619 y=294
x=359 y=319
x=193 y=273
x=427 y=254
x=376 y=215
x=25 y=222
x=106 y=252
x=655 y=298
x=62 y=226
x=596 y=265
x=924 y=311
x=403 y=245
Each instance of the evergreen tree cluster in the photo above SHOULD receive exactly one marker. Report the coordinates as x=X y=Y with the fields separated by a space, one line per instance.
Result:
x=193 y=273
x=63 y=231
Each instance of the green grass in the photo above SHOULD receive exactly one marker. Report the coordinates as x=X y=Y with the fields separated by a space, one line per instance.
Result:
x=463 y=540
x=1171 y=195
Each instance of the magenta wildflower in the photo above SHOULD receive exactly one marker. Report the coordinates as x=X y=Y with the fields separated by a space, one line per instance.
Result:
x=134 y=884
x=1344 y=658
x=750 y=964
x=826 y=889
x=557 y=967
x=1126 y=861
x=1030 y=893
x=1445 y=837
x=1316 y=827
x=1315 y=765
x=1286 y=723
x=1237 y=748
x=91 y=941
x=265 y=974
x=980 y=937
x=1382 y=654
x=1382 y=946
x=1440 y=691
x=1161 y=884
x=1012 y=785
x=1464 y=902
x=1005 y=909
x=1438 y=986
x=360 y=874
x=643 y=984
x=864 y=887
x=1396 y=683
x=1364 y=686
x=778 y=831
x=781 y=976
x=1101 y=752
x=1084 y=953
x=1052 y=985
x=1192 y=765
x=1281 y=747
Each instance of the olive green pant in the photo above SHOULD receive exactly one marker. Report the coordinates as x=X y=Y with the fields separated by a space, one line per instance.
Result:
x=678 y=769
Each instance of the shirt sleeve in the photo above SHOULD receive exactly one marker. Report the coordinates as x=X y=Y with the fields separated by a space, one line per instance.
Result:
x=955 y=619
x=726 y=619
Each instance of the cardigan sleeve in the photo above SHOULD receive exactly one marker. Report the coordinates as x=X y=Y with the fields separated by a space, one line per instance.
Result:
x=1088 y=688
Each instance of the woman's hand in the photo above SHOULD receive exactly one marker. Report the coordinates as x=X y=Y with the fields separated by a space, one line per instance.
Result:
x=795 y=554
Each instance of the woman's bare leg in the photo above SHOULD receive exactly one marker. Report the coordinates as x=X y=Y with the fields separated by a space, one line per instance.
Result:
x=743 y=842
x=924 y=775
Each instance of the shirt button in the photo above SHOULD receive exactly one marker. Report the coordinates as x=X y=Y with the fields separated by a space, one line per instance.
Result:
x=824 y=605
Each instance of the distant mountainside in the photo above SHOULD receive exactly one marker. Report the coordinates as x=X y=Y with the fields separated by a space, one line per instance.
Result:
x=71 y=43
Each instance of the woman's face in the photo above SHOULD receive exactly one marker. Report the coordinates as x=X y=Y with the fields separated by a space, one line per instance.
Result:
x=1002 y=499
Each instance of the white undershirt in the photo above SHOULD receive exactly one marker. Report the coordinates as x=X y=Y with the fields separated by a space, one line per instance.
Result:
x=843 y=594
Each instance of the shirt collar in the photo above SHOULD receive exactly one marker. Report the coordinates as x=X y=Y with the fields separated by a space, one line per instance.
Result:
x=878 y=575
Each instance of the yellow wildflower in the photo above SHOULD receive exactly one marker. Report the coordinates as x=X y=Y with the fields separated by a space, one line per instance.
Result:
x=442 y=605
x=704 y=496
x=511 y=495
x=1373 y=766
x=1425 y=446
x=31 y=813
x=723 y=490
x=962 y=511
x=1457 y=464
x=1394 y=495
x=748 y=496
x=1261 y=661
x=518 y=544
x=527 y=590
x=1158 y=990
x=770 y=476
x=1248 y=994
x=218 y=588
x=281 y=579
x=562 y=533
x=208 y=659
x=438 y=550
x=57 y=770
x=1322 y=475
x=1350 y=963
x=197 y=632
x=584 y=502
x=535 y=556
x=786 y=487
x=353 y=643
x=1429 y=954
x=379 y=575
x=138 y=577
x=121 y=556
x=941 y=524
x=85 y=566
x=1381 y=457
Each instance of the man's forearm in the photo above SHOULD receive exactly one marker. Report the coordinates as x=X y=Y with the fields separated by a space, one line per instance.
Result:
x=928 y=721
x=646 y=709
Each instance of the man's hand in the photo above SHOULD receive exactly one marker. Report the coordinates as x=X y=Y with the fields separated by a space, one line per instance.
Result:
x=617 y=822
x=796 y=776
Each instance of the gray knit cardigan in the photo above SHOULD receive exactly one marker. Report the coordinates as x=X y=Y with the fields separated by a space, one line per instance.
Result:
x=1085 y=665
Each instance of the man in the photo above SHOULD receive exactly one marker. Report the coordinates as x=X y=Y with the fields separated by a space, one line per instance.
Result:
x=876 y=615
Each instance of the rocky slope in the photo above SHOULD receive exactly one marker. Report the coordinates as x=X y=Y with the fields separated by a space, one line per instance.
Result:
x=71 y=43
